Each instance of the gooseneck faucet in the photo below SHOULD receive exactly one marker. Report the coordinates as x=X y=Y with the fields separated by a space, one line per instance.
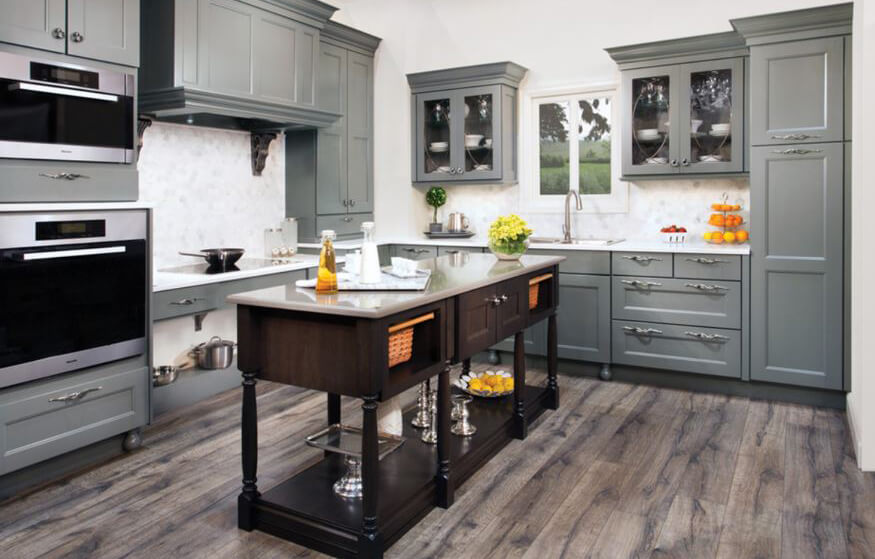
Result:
x=566 y=227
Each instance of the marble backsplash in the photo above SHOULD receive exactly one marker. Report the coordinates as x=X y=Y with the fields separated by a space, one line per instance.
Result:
x=652 y=205
x=200 y=180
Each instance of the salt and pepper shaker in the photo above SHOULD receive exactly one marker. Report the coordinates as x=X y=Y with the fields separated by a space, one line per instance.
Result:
x=423 y=414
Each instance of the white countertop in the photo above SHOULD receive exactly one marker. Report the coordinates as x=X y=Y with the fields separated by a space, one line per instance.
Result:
x=165 y=281
x=75 y=206
x=697 y=245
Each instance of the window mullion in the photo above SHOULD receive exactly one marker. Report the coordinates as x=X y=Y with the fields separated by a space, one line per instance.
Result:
x=573 y=145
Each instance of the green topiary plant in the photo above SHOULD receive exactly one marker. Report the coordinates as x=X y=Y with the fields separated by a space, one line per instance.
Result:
x=436 y=197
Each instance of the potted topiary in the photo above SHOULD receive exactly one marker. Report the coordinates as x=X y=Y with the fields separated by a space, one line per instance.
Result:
x=435 y=197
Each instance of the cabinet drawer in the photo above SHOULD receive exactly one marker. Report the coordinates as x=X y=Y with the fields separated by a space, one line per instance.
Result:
x=343 y=225
x=442 y=250
x=415 y=252
x=223 y=290
x=642 y=264
x=33 y=428
x=180 y=302
x=681 y=348
x=707 y=266
x=580 y=262
x=677 y=301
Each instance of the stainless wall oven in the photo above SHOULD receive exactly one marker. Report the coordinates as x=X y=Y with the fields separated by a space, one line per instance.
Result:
x=60 y=111
x=73 y=291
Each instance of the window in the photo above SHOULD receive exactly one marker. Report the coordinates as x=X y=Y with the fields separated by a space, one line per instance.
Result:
x=574 y=147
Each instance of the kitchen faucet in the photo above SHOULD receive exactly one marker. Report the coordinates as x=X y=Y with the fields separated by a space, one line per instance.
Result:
x=566 y=227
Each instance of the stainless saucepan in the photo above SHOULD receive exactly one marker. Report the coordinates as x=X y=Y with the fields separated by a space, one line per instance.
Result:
x=214 y=354
x=218 y=257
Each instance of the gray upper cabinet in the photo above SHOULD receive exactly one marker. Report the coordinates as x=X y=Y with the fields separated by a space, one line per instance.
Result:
x=360 y=133
x=465 y=124
x=107 y=30
x=799 y=95
x=796 y=264
x=331 y=151
x=683 y=106
x=40 y=24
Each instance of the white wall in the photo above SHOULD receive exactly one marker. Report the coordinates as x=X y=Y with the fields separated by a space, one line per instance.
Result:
x=561 y=42
x=861 y=401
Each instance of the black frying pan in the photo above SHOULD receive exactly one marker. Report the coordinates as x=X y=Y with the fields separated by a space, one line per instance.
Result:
x=222 y=258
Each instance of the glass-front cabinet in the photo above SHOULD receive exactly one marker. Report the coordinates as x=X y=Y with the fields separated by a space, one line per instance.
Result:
x=684 y=118
x=465 y=133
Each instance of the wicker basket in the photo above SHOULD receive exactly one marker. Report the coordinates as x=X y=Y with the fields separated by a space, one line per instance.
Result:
x=534 y=288
x=401 y=339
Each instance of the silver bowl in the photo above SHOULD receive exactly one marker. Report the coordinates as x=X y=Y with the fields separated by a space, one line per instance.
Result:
x=164 y=375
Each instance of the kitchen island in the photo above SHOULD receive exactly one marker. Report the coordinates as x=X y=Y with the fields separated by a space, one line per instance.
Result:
x=338 y=344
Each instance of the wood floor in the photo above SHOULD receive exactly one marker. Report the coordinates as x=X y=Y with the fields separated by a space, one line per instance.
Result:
x=618 y=471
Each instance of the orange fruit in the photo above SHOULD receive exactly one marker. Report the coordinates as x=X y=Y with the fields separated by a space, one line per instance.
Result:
x=741 y=235
x=716 y=207
x=717 y=237
x=729 y=237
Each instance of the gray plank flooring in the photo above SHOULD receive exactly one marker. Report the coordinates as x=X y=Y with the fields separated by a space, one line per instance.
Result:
x=618 y=471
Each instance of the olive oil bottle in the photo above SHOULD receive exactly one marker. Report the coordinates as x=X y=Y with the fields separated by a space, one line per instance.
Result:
x=326 y=279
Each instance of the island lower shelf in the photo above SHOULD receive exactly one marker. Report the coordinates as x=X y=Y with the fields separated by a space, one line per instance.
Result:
x=305 y=509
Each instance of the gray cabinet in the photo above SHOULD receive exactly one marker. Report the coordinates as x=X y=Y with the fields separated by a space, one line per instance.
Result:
x=107 y=30
x=465 y=124
x=707 y=266
x=331 y=150
x=797 y=264
x=678 y=301
x=642 y=264
x=584 y=317
x=798 y=92
x=414 y=252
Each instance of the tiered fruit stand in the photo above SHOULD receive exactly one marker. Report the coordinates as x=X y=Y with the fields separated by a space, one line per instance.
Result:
x=728 y=223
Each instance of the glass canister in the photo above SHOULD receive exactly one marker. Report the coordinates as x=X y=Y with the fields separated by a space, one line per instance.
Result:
x=370 y=264
x=326 y=278
x=290 y=235
x=273 y=240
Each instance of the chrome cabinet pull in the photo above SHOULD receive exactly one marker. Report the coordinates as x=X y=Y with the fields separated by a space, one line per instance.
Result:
x=794 y=137
x=74 y=396
x=703 y=260
x=459 y=170
x=352 y=203
x=673 y=163
x=503 y=298
x=639 y=283
x=63 y=176
x=639 y=258
x=187 y=301
x=708 y=337
x=494 y=301
x=452 y=171
x=685 y=162
x=59 y=33
x=415 y=250
x=77 y=37
x=796 y=151
x=706 y=287
x=641 y=331
x=345 y=203
x=347 y=219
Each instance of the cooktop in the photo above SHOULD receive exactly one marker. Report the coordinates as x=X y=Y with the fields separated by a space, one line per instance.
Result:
x=240 y=265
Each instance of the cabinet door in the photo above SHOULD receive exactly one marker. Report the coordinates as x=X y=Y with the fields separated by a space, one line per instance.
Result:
x=650 y=106
x=797 y=92
x=512 y=313
x=712 y=118
x=796 y=265
x=40 y=24
x=436 y=147
x=360 y=132
x=224 y=35
x=285 y=54
x=104 y=30
x=476 y=319
x=331 y=156
x=481 y=133
x=583 y=318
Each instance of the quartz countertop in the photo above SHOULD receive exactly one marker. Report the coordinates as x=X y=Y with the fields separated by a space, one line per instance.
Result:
x=448 y=278
x=696 y=246
x=173 y=278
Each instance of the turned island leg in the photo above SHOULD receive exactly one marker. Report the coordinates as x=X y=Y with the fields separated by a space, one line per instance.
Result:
x=519 y=385
x=370 y=541
x=552 y=364
x=445 y=489
x=249 y=454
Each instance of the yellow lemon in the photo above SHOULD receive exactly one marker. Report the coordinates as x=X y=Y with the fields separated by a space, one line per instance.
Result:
x=729 y=237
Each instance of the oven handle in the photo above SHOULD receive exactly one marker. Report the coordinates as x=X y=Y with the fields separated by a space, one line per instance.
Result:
x=28 y=256
x=26 y=86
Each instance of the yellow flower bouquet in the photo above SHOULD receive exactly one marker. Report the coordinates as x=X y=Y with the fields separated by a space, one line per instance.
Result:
x=509 y=237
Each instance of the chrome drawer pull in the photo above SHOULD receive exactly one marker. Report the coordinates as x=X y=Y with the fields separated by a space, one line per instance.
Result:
x=706 y=287
x=63 y=176
x=495 y=301
x=795 y=137
x=638 y=258
x=639 y=283
x=186 y=301
x=641 y=331
x=795 y=151
x=702 y=260
x=416 y=250
x=708 y=337
x=73 y=396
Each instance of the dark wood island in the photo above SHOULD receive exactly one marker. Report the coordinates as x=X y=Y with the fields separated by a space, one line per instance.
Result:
x=338 y=344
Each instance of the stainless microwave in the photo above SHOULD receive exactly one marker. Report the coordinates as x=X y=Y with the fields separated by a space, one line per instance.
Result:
x=58 y=111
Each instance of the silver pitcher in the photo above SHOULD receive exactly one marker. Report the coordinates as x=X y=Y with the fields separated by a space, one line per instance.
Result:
x=457 y=223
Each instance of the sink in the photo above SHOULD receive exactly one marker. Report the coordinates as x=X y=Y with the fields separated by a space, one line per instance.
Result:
x=579 y=242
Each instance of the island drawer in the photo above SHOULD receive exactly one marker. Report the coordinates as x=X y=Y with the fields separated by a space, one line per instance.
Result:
x=185 y=301
x=707 y=266
x=414 y=252
x=343 y=225
x=680 y=348
x=580 y=261
x=677 y=301
x=46 y=419
x=642 y=264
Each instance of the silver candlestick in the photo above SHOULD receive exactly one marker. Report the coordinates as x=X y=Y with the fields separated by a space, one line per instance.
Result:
x=430 y=434
x=350 y=485
x=462 y=427
x=423 y=415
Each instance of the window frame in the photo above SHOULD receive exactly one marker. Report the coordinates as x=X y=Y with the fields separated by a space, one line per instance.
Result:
x=532 y=199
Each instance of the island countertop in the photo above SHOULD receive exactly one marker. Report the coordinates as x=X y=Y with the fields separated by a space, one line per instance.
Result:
x=448 y=278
